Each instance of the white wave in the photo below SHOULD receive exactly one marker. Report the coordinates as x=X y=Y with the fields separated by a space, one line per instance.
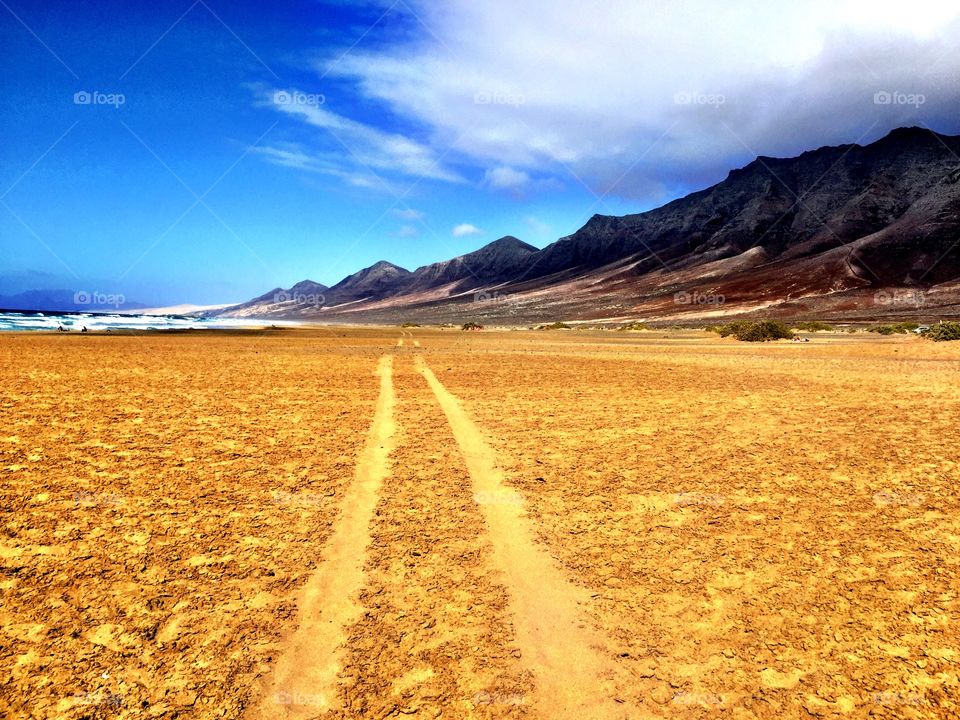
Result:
x=75 y=323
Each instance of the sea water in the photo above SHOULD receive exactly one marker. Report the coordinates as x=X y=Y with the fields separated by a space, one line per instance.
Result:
x=75 y=322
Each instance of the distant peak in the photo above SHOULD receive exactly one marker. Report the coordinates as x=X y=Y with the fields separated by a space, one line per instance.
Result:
x=385 y=265
x=509 y=242
x=911 y=135
x=911 y=131
x=308 y=284
x=379 y=269
x=598 y=220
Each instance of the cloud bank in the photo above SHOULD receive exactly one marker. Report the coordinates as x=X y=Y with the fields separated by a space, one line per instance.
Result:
x=641 y=99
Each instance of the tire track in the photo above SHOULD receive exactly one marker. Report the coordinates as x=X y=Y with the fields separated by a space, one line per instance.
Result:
x=304 y=683
x=435 y=638
x=574 y=680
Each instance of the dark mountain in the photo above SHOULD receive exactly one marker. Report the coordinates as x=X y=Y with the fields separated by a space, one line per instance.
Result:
x=308 y=287
x=279 y=301
x=832 y=232
x=380 y=280
x=500 y=261
x=67 y=301
x=902 y=187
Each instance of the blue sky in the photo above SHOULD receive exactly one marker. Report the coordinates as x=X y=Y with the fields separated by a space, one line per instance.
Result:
x=230 y=147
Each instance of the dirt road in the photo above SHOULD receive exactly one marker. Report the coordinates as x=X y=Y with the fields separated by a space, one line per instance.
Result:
x=571 y=668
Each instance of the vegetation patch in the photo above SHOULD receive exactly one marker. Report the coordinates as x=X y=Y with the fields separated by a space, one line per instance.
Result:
x=471 y=326
x=633 y=326
x=895 y=329
x=754 y=330
x=730 y=328
x=944 y=332
x=554 y=326
x=813 y=326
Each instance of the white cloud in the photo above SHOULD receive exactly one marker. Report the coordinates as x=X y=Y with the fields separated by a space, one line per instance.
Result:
x=293 y=156
x=640 y=97
x=408 y=231
x=465 y=230
x=503 y=177
x=408 y=214
x=365 y=147
x=517 y=183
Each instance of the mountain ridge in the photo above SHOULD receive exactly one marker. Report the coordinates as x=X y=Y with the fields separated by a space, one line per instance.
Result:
x=829 y=221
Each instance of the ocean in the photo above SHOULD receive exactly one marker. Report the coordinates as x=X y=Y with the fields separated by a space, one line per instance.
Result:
x=75 y=322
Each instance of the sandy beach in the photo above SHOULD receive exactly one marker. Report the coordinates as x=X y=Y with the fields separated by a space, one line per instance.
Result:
x=387 y=522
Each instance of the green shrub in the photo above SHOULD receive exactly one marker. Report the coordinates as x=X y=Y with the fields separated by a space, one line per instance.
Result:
x=897 y=329
x=471 y=326
x=814 y=326
x=944 y=332
x=554 y=326
x=733 y=328
x=764 y=330
x=753 y=330
x=410 y=325
x=633 y=326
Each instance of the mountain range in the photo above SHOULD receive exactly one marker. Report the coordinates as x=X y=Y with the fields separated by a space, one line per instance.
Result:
x=839 y=232
x=61 y=300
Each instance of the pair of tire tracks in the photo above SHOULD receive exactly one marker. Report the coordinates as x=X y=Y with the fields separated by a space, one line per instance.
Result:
x=573 y=677
x=408 y=335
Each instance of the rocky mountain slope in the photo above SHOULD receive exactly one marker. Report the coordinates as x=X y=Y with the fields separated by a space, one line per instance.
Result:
x=491 y=264
x=843 y=231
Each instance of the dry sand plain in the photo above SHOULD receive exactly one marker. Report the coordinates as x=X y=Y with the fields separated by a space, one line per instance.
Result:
x=384 y=522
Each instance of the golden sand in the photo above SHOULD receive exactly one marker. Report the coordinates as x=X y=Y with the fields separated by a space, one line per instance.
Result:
x=726 y=529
